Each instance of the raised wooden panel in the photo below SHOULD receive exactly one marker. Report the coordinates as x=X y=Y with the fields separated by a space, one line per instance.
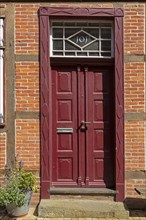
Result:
x=99 y=169
x=65 y=142
x=98 y=140
x=98 y=111
x=98 y=85
x=64 y=110
x=64 y=82
x=102 y=138
x=65 y=169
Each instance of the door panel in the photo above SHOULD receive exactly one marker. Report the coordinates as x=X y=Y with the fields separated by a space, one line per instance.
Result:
x=64 y=149
x=99 y=108
x=82 y=122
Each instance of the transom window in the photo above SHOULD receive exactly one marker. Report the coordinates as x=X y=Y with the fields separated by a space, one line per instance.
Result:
x=81 y=39
x=1 y=69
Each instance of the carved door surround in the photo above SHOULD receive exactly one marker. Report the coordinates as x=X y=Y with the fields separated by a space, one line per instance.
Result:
x=116 y=14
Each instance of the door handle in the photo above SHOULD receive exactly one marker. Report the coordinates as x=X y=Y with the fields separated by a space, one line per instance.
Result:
x=83 y=126
x=85 y=122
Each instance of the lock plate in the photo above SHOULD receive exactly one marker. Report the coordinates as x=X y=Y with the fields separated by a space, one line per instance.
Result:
x=64 y=130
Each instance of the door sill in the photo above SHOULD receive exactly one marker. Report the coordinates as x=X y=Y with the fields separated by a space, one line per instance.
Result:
x=81 y=191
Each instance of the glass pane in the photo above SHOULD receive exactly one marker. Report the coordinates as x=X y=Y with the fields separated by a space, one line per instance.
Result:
x=93 y=54
x=71 y=31
x=106 y=54
x=70 y=46
x=92 y=46
x=81 y=54
x=57 y=45
x=69 y=24
x=70 y=53
x=57 y=33
x=58 y=53
x=57 y=23
x=106 y=45
x=105 y=25
x=93 y=24
x=94 y=32
x=106 y=33
x=82 y=24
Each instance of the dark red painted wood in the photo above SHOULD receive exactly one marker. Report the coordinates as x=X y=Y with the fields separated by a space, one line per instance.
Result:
x=119 y=108
x=46 y=142
x=65 y=146
x=81 y=117
x=80 y=12
x=45 y=110
x=84 y=158
x=99 y=135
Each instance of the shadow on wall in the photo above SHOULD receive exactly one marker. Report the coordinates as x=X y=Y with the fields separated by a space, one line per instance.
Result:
x=136 y=204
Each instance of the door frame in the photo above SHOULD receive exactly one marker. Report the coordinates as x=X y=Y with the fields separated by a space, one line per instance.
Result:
x=115 y=14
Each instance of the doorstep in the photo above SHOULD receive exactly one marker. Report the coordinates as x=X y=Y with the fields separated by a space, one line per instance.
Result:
x=81 y=208
x=82 y=193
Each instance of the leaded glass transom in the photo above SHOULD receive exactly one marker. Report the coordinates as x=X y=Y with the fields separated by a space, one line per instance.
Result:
x=86 y=39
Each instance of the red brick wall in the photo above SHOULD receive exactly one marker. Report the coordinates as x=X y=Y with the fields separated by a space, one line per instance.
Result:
x=134 y=87
x=134 y=145
x=27 y=43
x=26 y=28
x=28 y=142
x=3 y=141
x=2 y=149
x=27 y=86
x=134 y=26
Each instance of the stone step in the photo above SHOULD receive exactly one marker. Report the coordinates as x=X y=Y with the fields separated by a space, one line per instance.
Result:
x=83 y=193
x=81 y=208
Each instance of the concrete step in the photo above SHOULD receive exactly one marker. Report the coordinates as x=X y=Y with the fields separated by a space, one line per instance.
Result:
x=81 y=208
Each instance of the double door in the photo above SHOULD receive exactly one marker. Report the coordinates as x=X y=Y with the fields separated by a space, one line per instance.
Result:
x=82 y=127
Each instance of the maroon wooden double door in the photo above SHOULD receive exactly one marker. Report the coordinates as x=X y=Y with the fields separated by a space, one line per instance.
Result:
x=82 y=127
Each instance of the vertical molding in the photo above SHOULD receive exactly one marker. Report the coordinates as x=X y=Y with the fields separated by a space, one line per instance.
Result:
x=45 y=114
x=119 y=109
x=10 y=82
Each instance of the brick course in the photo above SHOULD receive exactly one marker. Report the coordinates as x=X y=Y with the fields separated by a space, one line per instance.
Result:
x=28 y=142
x=3 y=142
x=134 y=87
x=27 y=86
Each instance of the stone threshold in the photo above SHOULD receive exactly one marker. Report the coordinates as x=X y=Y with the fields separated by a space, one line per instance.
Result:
x=82 y=191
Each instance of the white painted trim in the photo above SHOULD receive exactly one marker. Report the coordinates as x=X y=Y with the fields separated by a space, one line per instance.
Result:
x=1 y=70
